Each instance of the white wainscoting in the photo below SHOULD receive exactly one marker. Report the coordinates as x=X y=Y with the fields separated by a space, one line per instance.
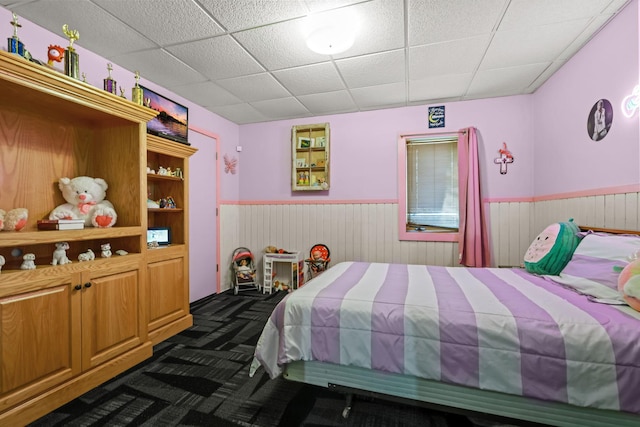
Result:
x=368 y=232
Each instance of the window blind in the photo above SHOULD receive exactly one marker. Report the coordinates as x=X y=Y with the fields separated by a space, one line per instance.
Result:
x=432 y=182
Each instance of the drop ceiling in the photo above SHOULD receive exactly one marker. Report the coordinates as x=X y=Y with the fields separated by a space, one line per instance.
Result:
x=246 y=60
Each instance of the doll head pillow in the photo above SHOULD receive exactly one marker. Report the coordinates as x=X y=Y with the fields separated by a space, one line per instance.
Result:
x=629 y=284
x=552 y=249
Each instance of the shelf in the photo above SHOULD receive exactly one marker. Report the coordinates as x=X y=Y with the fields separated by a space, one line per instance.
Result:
x=310 y=157
x=166 y=210
x=25 y=238
x=156 y=177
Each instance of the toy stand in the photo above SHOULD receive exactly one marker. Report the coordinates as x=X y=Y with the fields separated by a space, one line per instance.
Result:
x=282 y=270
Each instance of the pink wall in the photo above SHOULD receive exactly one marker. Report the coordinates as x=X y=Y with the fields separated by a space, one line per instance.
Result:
x=363 y=150
x=566 y=158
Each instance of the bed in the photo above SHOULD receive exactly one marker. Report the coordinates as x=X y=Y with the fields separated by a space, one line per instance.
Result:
x=559 y=349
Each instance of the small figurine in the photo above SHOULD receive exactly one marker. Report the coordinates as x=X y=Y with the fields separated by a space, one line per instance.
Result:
x=87 y=256
x=178 y=173
x=1 y=262
x=28 y=262
x=122 y=252
x=60 y=254
x=106 y=250
x=55 y=53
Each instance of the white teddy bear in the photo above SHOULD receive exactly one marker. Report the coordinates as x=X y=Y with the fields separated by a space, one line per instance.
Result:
x=85 y=198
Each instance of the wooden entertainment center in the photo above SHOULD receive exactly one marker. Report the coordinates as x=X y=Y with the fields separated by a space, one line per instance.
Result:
x=64 y=329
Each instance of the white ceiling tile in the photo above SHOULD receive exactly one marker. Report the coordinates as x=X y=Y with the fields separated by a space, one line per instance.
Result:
x=284 y=108
x=434 y=21
x=539 y=44
x=237 y=15
x=316 y=78
x=438 y=87
x=523 y=14
x=94 y=25
x=392 y=94
x=454 y=57
x=257 y=87
x=504 y=81
x=380 y=27
x=164 y=23
x=279 y=46
x=206 y=56
x=247 y=60
x=240 y=113
x=206 y=94
x=159 y=67
x=330 y=102
x=375 y=69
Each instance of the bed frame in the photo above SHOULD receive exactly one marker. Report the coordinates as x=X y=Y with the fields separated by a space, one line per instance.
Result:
x=357 y=381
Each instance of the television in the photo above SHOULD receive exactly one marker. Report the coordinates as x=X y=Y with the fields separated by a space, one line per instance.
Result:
x=172 y=121
x=162 y=235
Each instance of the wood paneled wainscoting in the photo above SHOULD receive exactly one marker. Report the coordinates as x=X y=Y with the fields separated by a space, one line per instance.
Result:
x=368 y=231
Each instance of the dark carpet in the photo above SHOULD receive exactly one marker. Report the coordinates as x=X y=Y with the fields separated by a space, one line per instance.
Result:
x=200 y=377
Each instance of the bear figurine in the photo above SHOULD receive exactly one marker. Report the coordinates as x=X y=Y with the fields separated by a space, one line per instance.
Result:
x=86 y=199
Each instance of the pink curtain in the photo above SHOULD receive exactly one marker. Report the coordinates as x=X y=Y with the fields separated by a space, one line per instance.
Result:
x=473 y=243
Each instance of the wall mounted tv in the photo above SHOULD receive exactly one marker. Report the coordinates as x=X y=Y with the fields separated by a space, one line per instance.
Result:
x=172 y=121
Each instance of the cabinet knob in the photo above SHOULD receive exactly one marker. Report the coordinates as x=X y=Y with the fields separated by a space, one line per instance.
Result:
x=87 y=285
x=78 y=287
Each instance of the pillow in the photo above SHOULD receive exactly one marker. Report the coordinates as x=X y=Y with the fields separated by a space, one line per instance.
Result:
x=552 y=249
x=592 y=269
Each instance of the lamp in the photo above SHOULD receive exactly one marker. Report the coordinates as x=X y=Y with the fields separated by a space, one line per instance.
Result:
x=330 y=33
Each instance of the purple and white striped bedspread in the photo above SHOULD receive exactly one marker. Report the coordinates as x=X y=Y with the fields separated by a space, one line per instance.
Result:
x=496 y=329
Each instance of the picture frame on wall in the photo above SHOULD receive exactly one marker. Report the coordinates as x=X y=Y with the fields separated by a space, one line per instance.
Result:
x=304 y=142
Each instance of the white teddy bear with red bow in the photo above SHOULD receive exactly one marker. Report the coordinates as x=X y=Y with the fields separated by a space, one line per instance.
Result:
x=85 y=198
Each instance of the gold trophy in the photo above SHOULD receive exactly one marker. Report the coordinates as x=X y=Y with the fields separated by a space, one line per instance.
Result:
x=71 y=58
x=136 y=91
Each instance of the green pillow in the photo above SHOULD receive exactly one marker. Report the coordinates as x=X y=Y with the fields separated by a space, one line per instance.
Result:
x=550 y=252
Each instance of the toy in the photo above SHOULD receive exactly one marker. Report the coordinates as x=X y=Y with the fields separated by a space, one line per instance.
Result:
x=1 y=262
x=55 y=53
x=629 y=284
x=85 y=198
x=106 y=250
x=28 y=262
x=274 y=250
x=87 y=256
x=60 y=254
x=16 y=219
x=552 y=249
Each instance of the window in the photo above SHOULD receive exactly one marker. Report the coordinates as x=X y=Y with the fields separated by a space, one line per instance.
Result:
x=428 y=187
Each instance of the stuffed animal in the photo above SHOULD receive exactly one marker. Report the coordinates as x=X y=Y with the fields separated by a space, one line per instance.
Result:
x=2 y=215
x=85 y=198
x=2 y=260
x=16 y=219
x=553 y=248
x=60 y=254
x=629 y=284
x=274 y=250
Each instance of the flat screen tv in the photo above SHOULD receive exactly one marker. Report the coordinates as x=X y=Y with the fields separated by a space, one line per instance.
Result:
x=172 y=121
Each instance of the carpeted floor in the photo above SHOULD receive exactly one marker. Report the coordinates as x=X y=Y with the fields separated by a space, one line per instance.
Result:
x=200 y=378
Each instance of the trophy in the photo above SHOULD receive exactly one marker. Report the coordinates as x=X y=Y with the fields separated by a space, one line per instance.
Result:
x=110 y=84
x=136 y=91
x=71 y=58
x=15 y=45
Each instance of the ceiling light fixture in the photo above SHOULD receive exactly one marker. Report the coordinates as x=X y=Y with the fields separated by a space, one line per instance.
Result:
x=330 y=33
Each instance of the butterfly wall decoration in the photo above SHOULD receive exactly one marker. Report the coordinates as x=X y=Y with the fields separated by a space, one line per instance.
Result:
x=230 y=164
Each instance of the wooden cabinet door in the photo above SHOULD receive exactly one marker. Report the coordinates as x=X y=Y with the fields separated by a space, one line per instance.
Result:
x=40 y=338
x=168 y=296
x=111 y=323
